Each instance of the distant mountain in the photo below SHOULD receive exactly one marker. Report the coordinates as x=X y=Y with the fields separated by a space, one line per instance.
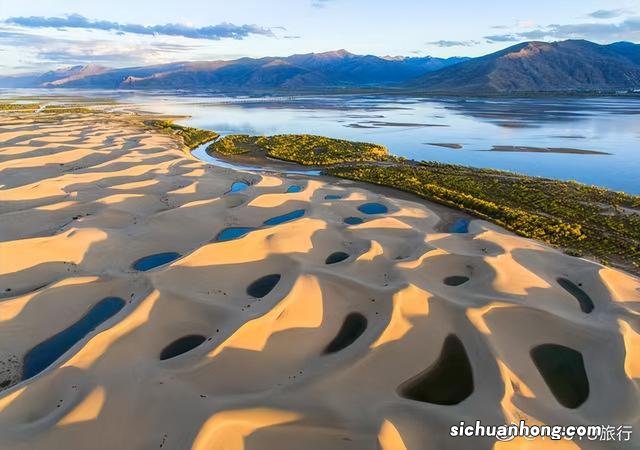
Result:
x=573 y=65
x=309 y=71
x=565 y=66
x=53 y=77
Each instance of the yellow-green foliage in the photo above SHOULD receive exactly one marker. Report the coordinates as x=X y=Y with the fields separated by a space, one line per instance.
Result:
x=67 y=109
x=319 y=150
x=192 y=137
x=234 y=144
x=303 y=149
x=18 y=106
x=582 y=219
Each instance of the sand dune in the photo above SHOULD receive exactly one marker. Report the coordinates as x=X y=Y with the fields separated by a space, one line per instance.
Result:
x=257 y=342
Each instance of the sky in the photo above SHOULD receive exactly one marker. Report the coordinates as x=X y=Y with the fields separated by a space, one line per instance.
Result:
x=40 y=35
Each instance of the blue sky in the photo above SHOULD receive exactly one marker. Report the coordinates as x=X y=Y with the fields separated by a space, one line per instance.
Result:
x=37 y=35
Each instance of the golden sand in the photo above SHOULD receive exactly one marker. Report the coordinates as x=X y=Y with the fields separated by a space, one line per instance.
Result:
x=82 y=198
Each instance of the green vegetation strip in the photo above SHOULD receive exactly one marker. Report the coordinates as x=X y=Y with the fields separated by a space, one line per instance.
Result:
x=303 y=149
x=53 y=109
x=192 y=137
x=234 y=144
x=584 y=220
x=18 y=106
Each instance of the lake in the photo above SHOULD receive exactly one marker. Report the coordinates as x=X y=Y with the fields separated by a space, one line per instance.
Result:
x=408 y=125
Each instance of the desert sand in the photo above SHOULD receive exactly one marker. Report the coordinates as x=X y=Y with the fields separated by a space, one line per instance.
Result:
x=84 y=197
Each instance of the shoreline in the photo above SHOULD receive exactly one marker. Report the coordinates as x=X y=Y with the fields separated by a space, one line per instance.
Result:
x=554 y=231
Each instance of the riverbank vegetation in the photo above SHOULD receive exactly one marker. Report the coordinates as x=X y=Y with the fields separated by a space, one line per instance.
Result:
x=235 y=144
x=67 y=109
x=18 y=106
x=192 y=137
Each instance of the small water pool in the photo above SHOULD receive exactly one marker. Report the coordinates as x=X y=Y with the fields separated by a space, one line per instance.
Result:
x=294 y=188
x=373 y=208
x=336 y=257
x=263 y=285
x=181 y=345
x=353 y=220
x=293 y=215
x=352 y=328
x=455 y=280
x=238 y=186
x=460 y=226
x=47 y=352
x=152 y=261
x=332 y=197
x=229 y=234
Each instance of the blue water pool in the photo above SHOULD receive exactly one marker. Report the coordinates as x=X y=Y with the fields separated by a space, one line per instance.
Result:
x=153 y=261
x=293 y=215
x=353 y=220
x=459 y=226
x=294 y=188
x=47 y=352
x=373 y=208
x=228 y=234
x=239 y=186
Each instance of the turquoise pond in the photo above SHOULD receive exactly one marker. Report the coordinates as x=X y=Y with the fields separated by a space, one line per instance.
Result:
x=294 y=188
x=239 y=186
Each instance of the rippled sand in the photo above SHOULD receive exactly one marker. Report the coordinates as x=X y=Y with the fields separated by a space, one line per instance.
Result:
x=259 y=343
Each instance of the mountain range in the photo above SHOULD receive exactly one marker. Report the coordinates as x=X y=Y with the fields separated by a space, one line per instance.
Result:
x=573 y=65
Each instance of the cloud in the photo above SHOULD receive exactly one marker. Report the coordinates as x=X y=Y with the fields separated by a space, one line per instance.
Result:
x=502 y=38
x=453 y=43
x=608 y=13
x=33 y=51
x=213 y=32
x=627 y=30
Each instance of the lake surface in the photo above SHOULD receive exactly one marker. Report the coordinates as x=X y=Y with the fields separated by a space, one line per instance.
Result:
x=408 y=125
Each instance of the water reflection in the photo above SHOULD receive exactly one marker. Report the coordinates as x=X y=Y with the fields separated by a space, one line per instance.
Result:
x=477 y=124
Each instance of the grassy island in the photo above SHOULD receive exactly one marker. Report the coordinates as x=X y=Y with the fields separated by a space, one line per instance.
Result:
x=305 y=149
x=192 y=137
x=582 y=220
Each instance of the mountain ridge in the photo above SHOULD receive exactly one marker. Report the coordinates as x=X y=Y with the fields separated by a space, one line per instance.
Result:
x=338 y=68
x=571 y=65
x=563 y=66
